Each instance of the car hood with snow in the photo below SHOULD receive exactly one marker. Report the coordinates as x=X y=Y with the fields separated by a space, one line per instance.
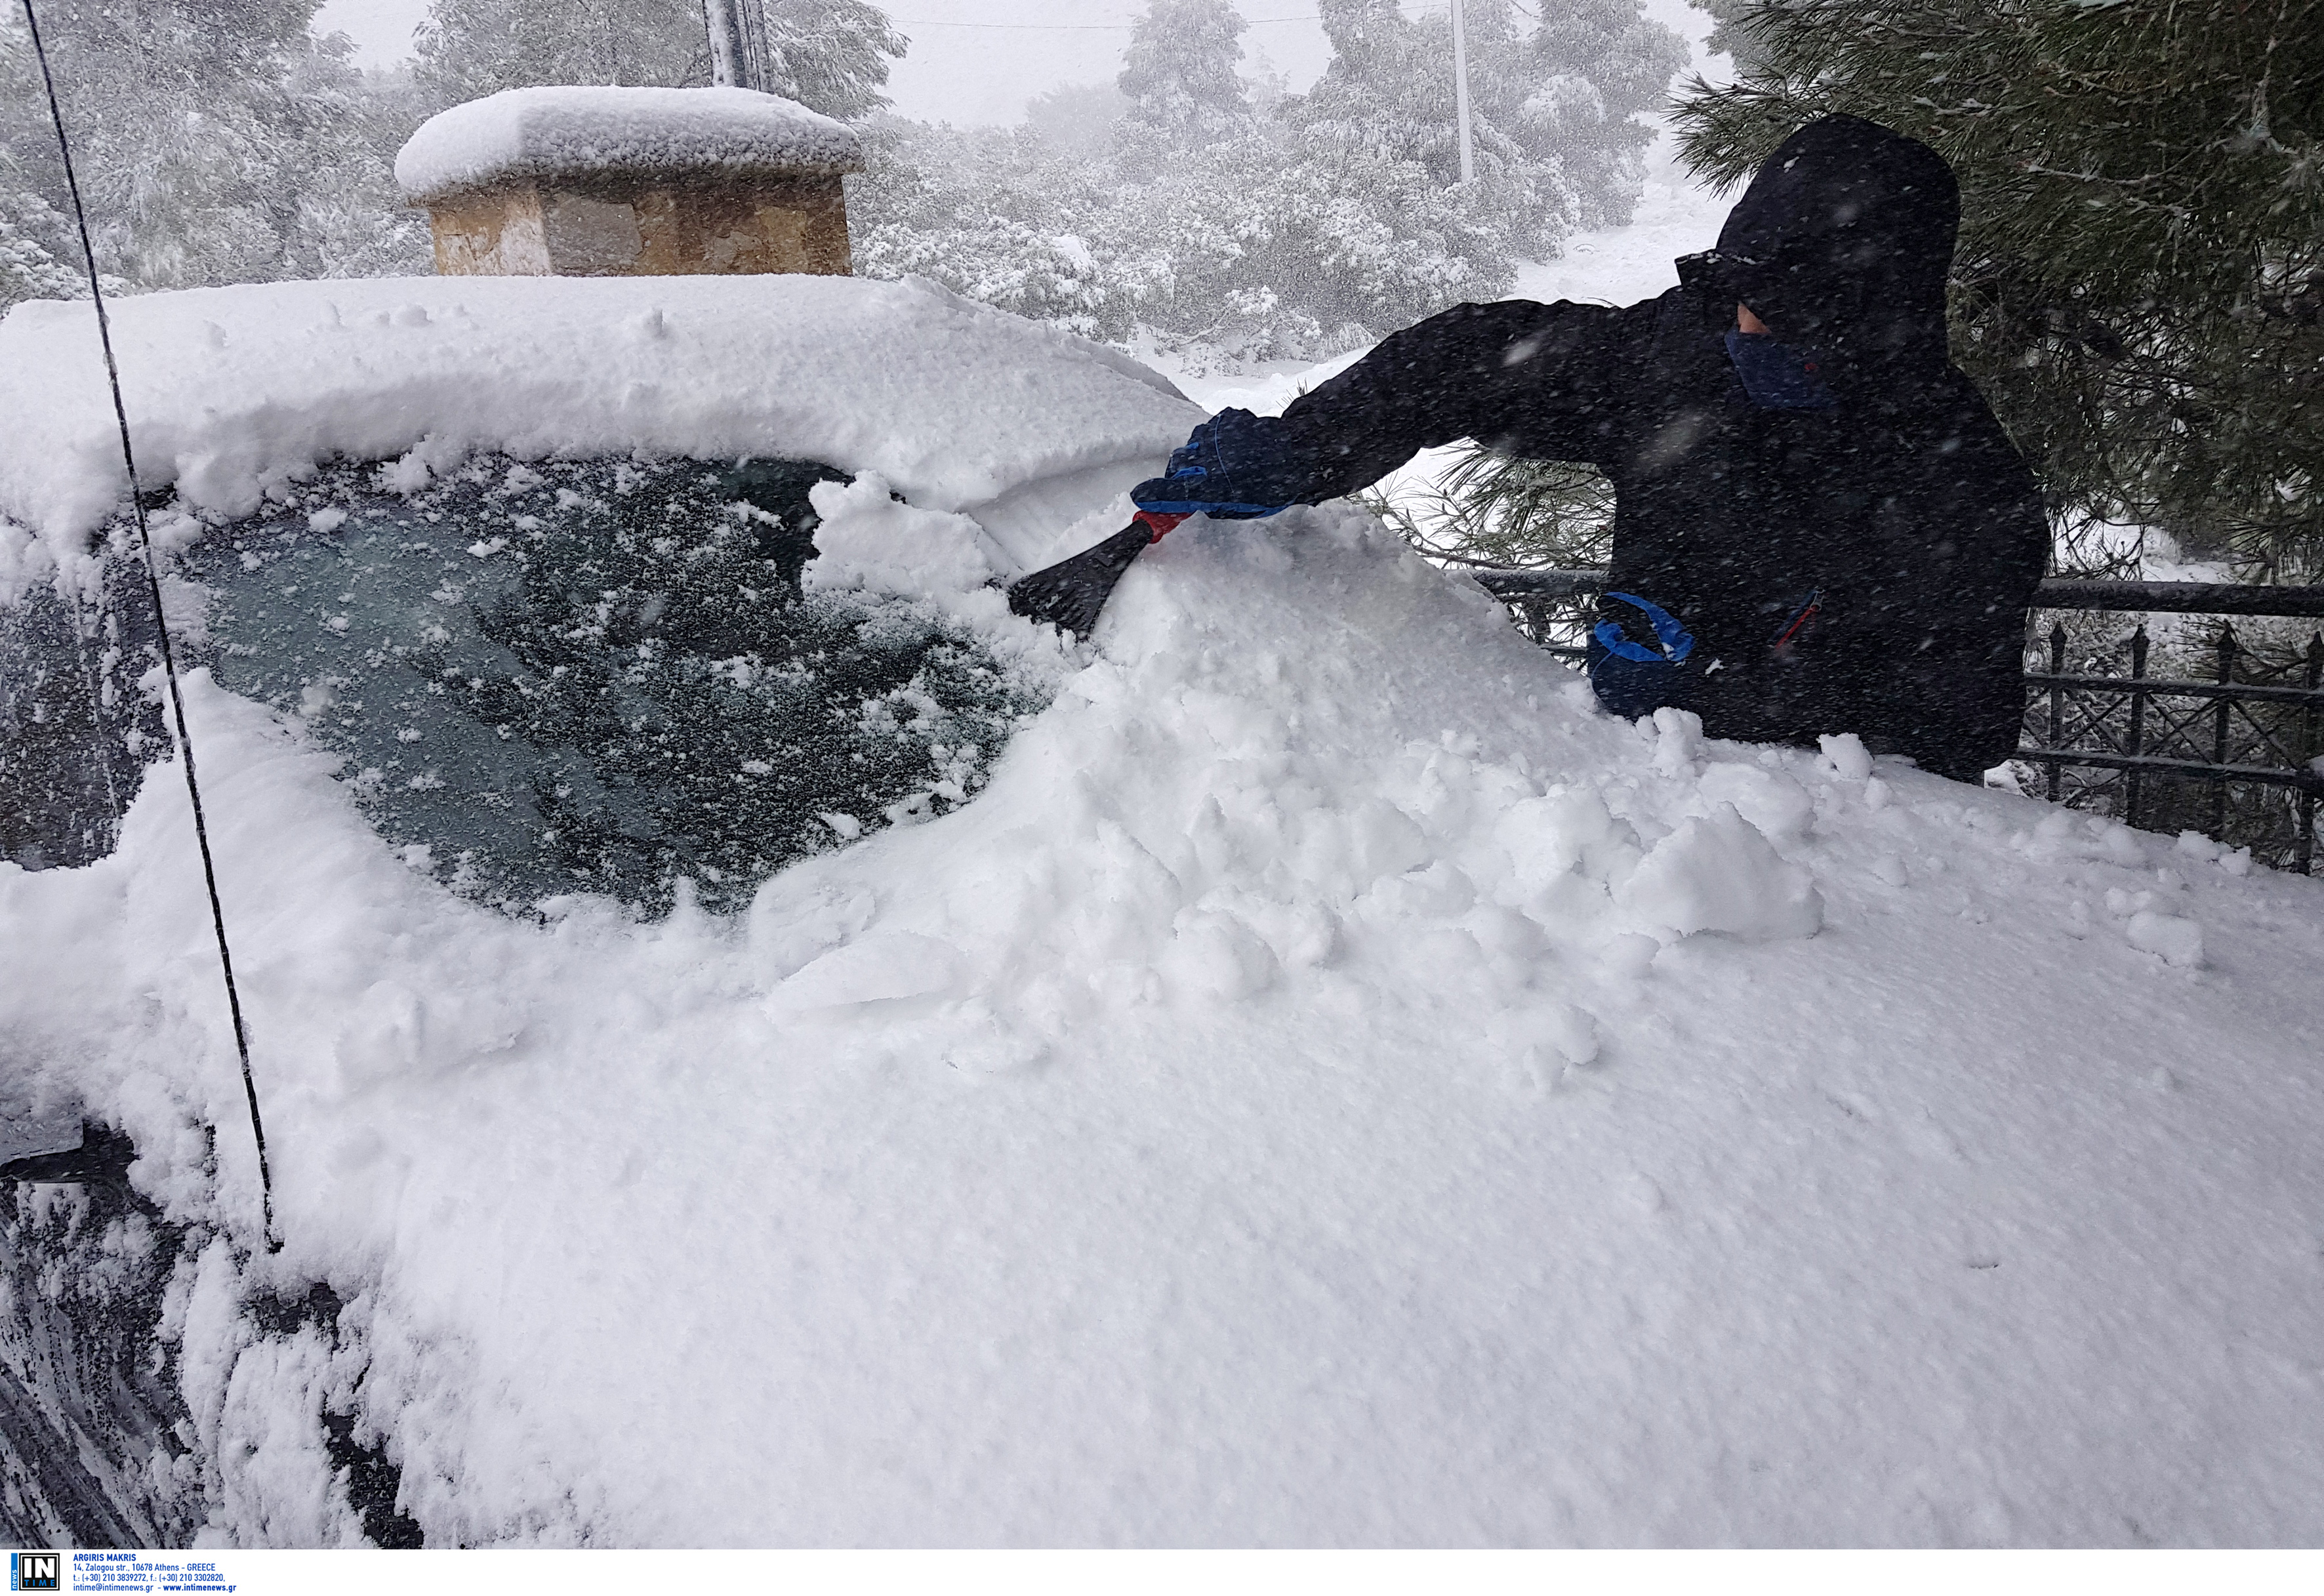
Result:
x=232 y=391
x=1332 y=1086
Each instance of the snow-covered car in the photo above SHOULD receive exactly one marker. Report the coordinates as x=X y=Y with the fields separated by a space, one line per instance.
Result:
x=1310 y=1078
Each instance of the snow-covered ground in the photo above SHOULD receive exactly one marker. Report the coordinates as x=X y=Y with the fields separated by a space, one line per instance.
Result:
x=1332 y=1086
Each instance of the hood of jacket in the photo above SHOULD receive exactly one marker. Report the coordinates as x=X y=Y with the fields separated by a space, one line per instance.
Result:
x=1842 y=244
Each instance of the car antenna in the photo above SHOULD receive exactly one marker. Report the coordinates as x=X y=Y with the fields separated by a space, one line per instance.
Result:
x=162 y=630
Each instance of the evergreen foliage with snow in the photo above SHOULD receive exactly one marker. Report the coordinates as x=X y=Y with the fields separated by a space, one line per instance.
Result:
x=214 y=144
x=1180 y=78
x=2140 y=283
x=35 y=249
x=1729 y=36
x=1600 y=63
x=831 y=56
x=1267 y=225
x=468 y=48
x=1501 y=509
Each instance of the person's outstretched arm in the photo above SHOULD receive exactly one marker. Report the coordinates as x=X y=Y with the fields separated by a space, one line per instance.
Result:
x=1534 y=378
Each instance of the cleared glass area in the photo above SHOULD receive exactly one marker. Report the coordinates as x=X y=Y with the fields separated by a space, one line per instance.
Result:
x=599 y=676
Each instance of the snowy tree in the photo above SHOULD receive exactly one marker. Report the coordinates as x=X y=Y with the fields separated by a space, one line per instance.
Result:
x=1552 y=111
x=1179 y=75
x=992 y=213
x=350 y=218
x=1598 y=64
x=1388 y=94
x=468 y=48
x=1205 y=223
x=2140 y=284
x=830 y=55
x=175 y=124
x=1276 y=245
x=213 y=144
x=1077 y=119
x=1380 y=132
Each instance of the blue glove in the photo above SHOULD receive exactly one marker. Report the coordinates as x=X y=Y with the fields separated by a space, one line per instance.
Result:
x=1232 y=467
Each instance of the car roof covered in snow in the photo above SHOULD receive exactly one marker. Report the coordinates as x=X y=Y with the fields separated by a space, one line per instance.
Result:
x=523 y=135
x=232 y=389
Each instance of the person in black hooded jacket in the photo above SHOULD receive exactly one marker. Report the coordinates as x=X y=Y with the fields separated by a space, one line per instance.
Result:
x=1819 y=525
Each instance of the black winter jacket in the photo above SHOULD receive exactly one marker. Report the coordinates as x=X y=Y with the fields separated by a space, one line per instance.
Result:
x=1905 y=508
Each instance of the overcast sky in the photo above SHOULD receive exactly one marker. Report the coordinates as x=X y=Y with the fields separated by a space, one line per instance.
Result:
x=980 y=61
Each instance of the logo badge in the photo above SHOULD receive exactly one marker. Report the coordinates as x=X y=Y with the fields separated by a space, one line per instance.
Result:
x=36 y=1571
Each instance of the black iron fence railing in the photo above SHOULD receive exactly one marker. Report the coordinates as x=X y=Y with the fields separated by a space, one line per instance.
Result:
x=1552 y=608
x=2228 y=740
x=2225 y=740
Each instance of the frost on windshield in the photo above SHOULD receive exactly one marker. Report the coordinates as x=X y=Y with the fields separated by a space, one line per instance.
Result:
x=599 y=676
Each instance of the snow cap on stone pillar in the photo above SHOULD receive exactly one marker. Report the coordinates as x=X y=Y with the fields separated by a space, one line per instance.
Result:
x=623 y=182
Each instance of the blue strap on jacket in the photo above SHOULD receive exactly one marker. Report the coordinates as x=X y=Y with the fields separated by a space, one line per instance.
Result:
x=1677 y=642
x=1232 y=467
x=1632 y=679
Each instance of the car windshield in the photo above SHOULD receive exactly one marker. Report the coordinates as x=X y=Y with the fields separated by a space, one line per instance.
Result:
x=595 y=676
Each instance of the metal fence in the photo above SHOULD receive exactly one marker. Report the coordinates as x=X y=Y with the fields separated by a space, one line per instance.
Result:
x=2235 y=752
x=1551 y=607
x=2225 y=740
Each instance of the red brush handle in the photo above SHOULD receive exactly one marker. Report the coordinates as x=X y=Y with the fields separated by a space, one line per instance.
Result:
x=1158 y=521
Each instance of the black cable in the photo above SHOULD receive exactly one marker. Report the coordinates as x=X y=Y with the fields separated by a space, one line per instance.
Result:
x=162 y=630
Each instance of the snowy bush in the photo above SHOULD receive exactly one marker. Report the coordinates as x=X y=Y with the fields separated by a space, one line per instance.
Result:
x=36 y=258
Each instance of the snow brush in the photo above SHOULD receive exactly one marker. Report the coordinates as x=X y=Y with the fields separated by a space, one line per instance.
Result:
x=1071 y=593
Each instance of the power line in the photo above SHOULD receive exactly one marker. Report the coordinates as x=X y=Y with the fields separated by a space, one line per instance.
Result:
x=161 y=628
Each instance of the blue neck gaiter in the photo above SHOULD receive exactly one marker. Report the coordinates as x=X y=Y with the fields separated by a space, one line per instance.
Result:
x=1776 y=377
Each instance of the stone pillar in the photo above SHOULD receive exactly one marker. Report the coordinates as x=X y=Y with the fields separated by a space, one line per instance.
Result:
x=624 y=182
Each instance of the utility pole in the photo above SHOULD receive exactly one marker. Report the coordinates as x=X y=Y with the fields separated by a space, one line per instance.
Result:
x=1460 y=91
x=728 y=56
